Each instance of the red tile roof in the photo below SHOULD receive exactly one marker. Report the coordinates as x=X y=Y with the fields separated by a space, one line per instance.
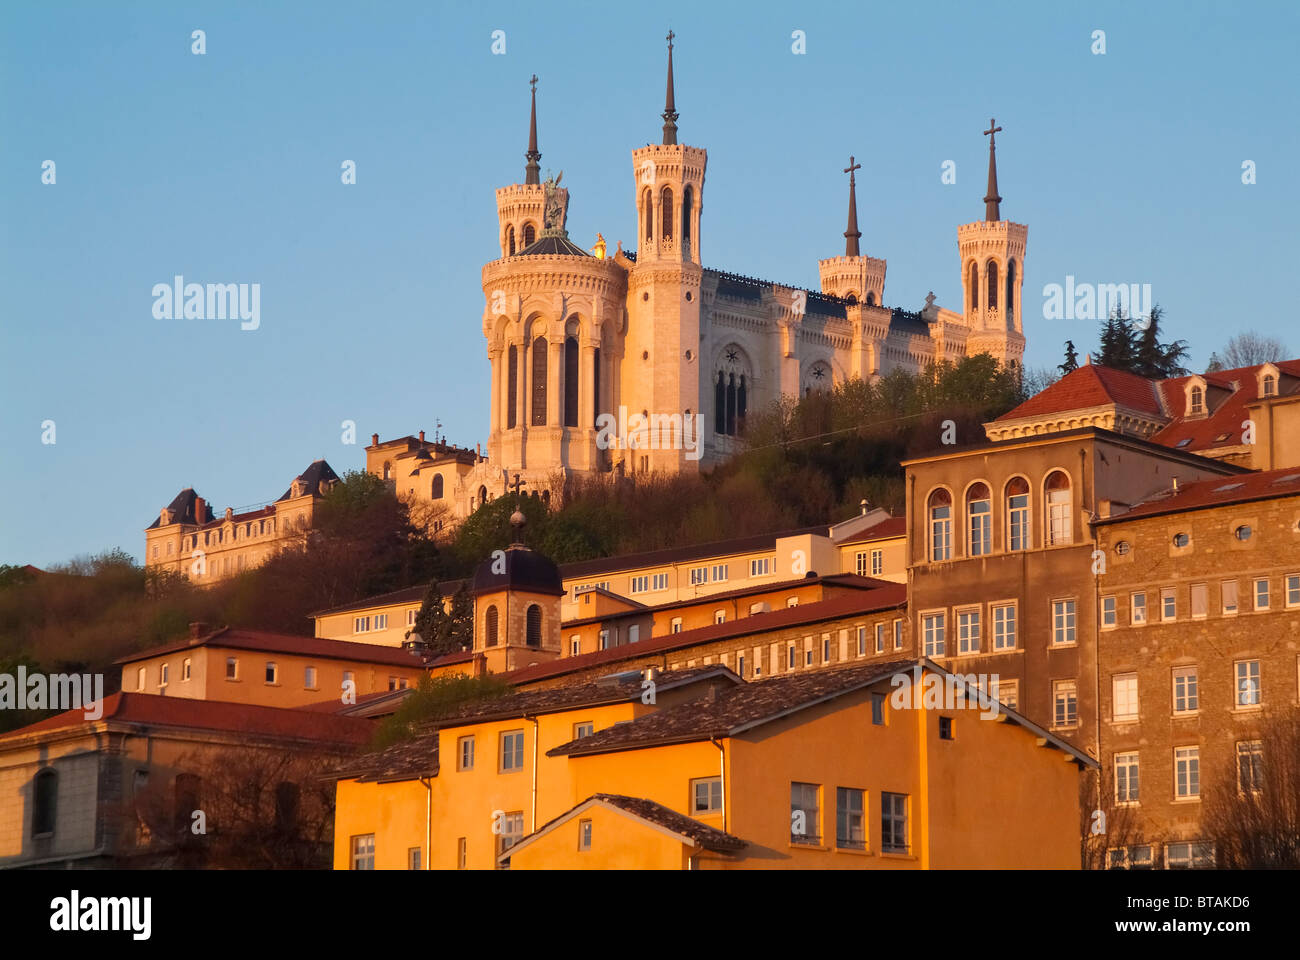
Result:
x=1222 y=426
x=884 y=530
x=884 y=598
x=1220 y=491
x=263 y=642
x=1090 y=386
x=151 y=710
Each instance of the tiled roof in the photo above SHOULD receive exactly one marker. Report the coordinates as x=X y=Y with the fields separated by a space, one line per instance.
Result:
x=406 y=595
x=261 y=641
x=407 y=760
x=1222 y=426
x=734 y=710
x=717 y=548
x=884 y=530
x=1217 y=492
x=555 y=244
x=1090 y=386
x=241 y=718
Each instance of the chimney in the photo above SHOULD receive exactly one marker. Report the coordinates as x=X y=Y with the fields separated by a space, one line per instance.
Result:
x=230 y=512
x=422 y=436
x=478 y=450
x=197 y=629
x=865 y=506
x=480 y=665
x=374 y=439
x=200 y=510
x=651 y=673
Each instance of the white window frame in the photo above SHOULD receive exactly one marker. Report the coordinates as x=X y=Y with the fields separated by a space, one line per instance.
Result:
x=1109 y=612
x=968 y=631
x=1138 y=609
x=1190 y=693
x=1248 y=690
x=1187 y=772
x=1065 y=692
x=1065 y=622
x=1124 y=698
x=1128 y=787
x=934 y=632
x=877 y=563
x=1266 y=593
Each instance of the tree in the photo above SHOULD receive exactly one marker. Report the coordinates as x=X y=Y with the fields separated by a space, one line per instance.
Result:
x=1250 y=349
x=1071 y=359
x=1154 y=359
x=434 y=698
x=1118 y=347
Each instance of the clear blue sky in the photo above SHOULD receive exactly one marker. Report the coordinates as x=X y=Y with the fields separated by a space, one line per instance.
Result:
x=226 y=168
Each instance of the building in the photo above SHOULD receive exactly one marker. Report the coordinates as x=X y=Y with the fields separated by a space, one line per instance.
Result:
x=649 y=360
x=188 y=538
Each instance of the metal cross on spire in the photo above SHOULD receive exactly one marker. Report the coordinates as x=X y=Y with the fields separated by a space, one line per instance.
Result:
x=991 y=199
x=532 y=171
x=670 y=102
x=852 y=234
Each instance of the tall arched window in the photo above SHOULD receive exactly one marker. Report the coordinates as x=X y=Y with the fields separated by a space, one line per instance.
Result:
x=539 y=382
x=979 y=520
x=388 y=470
x=571 y=381
x=512 y=387
x=45 y=802
x=648 y=214
x=871 y=298
x=595 y=383
x=973 y=285
x=530 y=234
x=720 y=404
x=510 y=241
x=1010 y=300
x=666 y=211
x=993 y=283
x=731 y=405
x=482 y=496
x=436 y=492
x=1017 y=514
x=688 y=205
x=1270 y=385
x=534 y=626
x=1197 y=400
x=1059 y=527
x=490 y=626
x=940 y=517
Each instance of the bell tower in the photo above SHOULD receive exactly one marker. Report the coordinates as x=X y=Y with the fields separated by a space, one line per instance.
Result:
x=520 y=206
x=661 y=366
x=992 y=264
x=853 y=276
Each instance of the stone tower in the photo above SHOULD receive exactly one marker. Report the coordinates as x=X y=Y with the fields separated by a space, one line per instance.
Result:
x=520 y=206
x=853 y=276
x=661 y=364
x=992 y=263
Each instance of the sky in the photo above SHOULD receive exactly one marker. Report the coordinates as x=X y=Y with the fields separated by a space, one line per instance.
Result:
x=226 y=167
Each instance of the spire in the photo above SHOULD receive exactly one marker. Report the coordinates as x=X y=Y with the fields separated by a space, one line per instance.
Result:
x=670 y=108
x=992 y=199
x=533 y=168
x=852 y=234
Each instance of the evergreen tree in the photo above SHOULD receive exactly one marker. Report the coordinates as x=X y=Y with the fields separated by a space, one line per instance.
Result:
x=1071 y=358
x=1155 y=359
x=1214 y=364
x=460 y=629
x=432 y=622
x=1118 y=348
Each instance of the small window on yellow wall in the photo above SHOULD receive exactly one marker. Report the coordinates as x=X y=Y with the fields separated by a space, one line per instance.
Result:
x=584 y=834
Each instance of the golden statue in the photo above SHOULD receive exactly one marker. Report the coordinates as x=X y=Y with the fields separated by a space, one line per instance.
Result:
x=599 y=248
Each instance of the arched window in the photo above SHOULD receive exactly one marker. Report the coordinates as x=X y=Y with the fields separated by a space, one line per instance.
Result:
x=731 y=405
x=1270 y=385
x=1197 y=400
x=940 y=515
x=530 y=234
x=539 y=382
x=979 y=520
x=45 y=802
x=512 y=387
x=510 y=241
x=720 y=404
x=666 y=211
x=546 y=497
x=648 y=215
x=534 y=626
x=436 y=493
x=571 y=381
x=973 y=285
x=1017 y=514
x=993 y=284
x=871 y=298
x=490 y=626
x=688 y=206
x=1059 y=527
x=595 y=383
x=388 y=470
x=482 y=496
x=1011 y=290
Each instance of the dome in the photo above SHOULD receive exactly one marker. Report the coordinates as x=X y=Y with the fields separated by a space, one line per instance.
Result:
x=525 y=571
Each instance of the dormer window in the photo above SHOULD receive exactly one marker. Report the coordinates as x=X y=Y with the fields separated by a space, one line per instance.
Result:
x=1268 y=386
x=1196 y=401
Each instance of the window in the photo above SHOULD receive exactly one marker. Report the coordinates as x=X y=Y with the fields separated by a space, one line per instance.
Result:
x=893 y=822
x=1065 y=703
x=348 y=681
x=677 y=625
x=898 y=634
x=1242 y=532
x=1109 y=612
x=397 y=683
x=940 y=508
x=581 y=730
x=1138 y=614
x=491 y=622
x=1059 y=527
x=1063 y=622
x=1197 y=404
x=1122 y=548
x=1186 y=696
x=309 y=678
x=968 y=632
x=1008 y=692
x=719 y=572
x=461 y=845
x=640 y=584
x=140 y=678
x=805 y=813
x=932 y=627
x=45 y=800
x=699 y=575
x=1261 y=594
x=877 y=562
x=1181 y=539
x=659 y=582
x=849 y=819
x=533 y=625
x=1168 y=604
x=706 y=795
x=381 y=621
x=1126 y=778
x=1228 y=591
x=1248 y=691
x=740 y=664
x=512 y=831
x=790 y=602
x=1129 y=858
x=790 y=661
x=361 y=625
x=880 y=636
x=465 y=753
x=186 y=670
x=584 y=834
x=633 y=633
x=164 y=671
x=232 y=668
x=1017 y=514
x=826 y=648
x=945 y=728
x=1269 y=385
x=878 y=709
x=363 y=852
x=1250 y=766
x=862 y=641
x=575 y=645
x=1293 y=590
x=979 y=516
x=272 y=672
x=1188 y=856
x=860 y=563
x=761 y=567
x=512 y=751
x=604 y=639
x=1124 y=703
x=1200 y=597
x=1187 y=772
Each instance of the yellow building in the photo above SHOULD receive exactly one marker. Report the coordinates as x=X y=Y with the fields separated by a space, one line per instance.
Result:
x=824 y=769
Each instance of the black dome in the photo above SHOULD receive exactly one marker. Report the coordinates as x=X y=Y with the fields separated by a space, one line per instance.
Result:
x=525 y=570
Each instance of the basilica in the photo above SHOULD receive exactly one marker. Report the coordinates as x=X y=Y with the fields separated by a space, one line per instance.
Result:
x=580 y=338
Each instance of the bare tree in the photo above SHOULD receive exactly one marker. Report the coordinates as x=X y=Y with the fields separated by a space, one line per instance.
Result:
x=1250 y=349
x=1117 y=826
x=1252 y=810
